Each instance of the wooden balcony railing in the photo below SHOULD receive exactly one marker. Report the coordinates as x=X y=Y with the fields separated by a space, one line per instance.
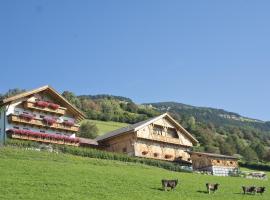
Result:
x=31 y=105
x=42 y=139
x=40 y=123
x=160 y=138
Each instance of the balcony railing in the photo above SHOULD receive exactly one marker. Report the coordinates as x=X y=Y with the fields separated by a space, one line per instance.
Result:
x=42 y=123
x=52 y=109
x=160 y=138
x=43 y=137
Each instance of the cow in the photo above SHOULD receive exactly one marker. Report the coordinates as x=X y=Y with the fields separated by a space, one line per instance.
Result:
x=249 y=189
x=211 y=187
x=169 y=184
x=260 y=190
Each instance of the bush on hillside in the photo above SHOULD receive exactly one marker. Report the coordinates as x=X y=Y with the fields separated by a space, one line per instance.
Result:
x=94 y=153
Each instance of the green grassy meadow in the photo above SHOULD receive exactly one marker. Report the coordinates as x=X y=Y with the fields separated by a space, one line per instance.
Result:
x=33 y=175
x=105 y=127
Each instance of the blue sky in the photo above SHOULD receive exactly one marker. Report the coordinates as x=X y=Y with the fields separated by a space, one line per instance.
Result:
x=204 y=53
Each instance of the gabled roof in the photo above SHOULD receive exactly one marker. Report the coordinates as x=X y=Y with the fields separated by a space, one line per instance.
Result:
x=139 y=125
x=50 y=90
x=214 y=155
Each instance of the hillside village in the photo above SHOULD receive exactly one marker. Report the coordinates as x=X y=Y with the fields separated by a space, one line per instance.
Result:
x=43 y=115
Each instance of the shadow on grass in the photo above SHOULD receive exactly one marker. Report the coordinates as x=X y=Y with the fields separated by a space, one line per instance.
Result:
x=202 y=191
x=159 y=189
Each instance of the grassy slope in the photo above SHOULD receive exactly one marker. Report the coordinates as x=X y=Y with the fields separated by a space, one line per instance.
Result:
x=36 y=175
x=105 y=127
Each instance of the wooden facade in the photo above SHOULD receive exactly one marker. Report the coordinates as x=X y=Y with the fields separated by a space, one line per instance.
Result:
x=158 y=138
x=220 y=165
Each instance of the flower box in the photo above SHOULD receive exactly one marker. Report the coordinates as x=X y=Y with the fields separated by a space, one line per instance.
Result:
x=49 y=121
x=144 y=152
x=68 y=123
x=168 y=156
x=156 y=154
x=53 y=106
x=27 y=117
x=42 y=104
x=44 y=136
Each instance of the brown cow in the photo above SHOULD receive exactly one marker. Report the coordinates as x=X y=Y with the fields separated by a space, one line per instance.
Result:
x=169 y=184
x=211 y=187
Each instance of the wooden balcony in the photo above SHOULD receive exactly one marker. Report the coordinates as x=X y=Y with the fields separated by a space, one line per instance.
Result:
x=41 y=123
x=32 y=106
x=160 y=138
x=49 y=141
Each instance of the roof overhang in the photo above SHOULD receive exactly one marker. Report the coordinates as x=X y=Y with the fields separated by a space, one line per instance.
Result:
x=80 y=115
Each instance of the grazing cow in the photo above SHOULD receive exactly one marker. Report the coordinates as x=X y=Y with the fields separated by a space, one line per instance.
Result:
x=260 y=190
x=249 y=190
x=169 y=184
x=211 y=187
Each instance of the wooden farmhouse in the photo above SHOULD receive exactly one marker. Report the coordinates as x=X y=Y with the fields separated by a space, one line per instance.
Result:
x=41 y=115
x=216 y=164
x=158 y=138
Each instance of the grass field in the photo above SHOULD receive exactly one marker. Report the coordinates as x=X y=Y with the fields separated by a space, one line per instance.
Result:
x=33 y=175
x=105 y=127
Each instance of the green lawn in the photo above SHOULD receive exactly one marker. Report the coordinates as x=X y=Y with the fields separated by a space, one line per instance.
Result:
x=105 y=127
x=33 y=175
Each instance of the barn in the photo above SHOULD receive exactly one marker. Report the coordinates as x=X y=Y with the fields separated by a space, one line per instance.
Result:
x=159 y=138
x=216 y=164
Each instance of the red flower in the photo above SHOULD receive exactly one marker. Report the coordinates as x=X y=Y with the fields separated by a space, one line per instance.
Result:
x=27 y=117
x=42 y=104
x=68 y=123
x=49 y=121
x=54 y=106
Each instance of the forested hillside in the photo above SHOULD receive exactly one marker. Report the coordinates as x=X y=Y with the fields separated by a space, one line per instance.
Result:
x=217 y=130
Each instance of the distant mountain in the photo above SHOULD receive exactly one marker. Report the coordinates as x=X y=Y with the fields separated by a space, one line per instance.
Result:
x=218 y=117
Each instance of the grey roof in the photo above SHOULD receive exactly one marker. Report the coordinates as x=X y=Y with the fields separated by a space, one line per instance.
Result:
x=128 y=128
x=88 y=141
x=215 y=155
x=133 y=127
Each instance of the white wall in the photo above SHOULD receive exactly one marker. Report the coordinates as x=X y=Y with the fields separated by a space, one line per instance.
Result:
x=2 y=111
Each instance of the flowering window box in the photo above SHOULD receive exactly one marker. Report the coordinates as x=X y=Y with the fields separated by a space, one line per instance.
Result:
x=42 y=104
x=44 y=136
x=53 y=106
x=144 y=152
x=156 y=154
x=49 y=121
x=68 y=123
x=27 y=117
x=168 y=156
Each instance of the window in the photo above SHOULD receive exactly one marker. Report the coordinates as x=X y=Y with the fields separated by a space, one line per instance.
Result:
x=172 y=133
x=16 y=127
x=124 y=150
x=231 y=162
x=42 y=131
x=157 y=130
x=17 y=112
x=25 y=128
x=41 y=116
x=25 y=112
x=218 y=161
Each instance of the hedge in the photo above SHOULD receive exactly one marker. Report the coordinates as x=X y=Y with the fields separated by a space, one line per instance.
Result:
x=94 y=153
x=255 y=166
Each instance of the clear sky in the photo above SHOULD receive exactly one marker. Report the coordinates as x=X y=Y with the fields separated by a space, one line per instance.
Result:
x=204 y=53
